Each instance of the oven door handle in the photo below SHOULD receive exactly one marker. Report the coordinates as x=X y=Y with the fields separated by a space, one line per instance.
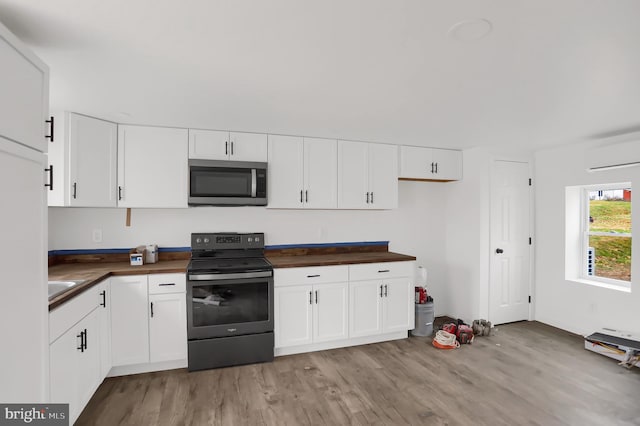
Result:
x=220 y=277
x=254 y=183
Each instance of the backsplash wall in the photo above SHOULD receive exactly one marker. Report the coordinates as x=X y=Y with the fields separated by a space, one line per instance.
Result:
x=415 y=228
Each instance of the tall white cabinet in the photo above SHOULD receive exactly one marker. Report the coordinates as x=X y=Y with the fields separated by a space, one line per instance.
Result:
x=23 y=294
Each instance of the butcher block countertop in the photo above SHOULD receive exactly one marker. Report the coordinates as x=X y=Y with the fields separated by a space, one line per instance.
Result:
x=336 y=255
x=94 y=272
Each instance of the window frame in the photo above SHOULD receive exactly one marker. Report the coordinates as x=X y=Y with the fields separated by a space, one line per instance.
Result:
x=585 y=233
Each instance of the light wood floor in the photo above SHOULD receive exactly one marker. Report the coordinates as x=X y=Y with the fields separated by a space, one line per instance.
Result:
x=526 y=374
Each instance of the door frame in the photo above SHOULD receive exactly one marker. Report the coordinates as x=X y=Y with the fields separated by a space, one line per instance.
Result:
x=531 y=275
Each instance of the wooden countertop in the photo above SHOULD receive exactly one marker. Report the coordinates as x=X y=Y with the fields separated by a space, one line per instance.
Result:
x=280 y=261
x=95 y=272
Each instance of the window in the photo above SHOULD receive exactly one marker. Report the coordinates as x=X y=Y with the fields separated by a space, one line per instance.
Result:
x=606 y=242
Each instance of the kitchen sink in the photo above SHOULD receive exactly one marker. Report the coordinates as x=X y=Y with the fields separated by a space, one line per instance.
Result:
x=59 y=287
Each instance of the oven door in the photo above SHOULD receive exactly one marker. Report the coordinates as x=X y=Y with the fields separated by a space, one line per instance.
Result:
x=229 y=306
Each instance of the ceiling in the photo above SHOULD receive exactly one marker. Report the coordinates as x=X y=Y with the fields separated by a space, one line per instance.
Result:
x=550 y=72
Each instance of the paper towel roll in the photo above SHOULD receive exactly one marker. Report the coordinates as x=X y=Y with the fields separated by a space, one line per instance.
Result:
x=422 y=276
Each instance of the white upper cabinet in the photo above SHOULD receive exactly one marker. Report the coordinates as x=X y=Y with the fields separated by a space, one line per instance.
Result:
x=320 y=173
x=222 y=145
x=92 y=145
x=367 y=175
x=152 y=166
x=25 y=94
x=418 y=163
x=302 y=172
x=285 y=172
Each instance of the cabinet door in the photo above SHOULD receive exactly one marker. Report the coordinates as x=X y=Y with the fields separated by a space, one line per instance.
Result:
x=397 y=306
x=353 y=175
x=92 y=161
x=448 y=164
x=167 y=327
x=23 y=294
x=25 y=87
x=152 y=167
x=320 y=173
x=383 y=176
x=104 y=314
x=88 y=360
x=416 y=162
x=365 y=313
x=208 y=144
x=63 y=371
x=285 y=172
x=330 y=317
x=293 y=315
x=248 y=146
x=56 y=158
x=130 y=325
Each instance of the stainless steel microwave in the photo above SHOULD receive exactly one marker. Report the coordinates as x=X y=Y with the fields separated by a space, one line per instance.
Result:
x=227 y=183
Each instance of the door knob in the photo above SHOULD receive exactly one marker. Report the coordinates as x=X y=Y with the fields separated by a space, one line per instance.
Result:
x=499 y=251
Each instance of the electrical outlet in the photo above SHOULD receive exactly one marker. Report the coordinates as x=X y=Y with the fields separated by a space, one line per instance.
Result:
x=97 y=235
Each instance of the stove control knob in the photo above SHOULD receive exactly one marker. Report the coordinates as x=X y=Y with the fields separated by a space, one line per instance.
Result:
x=198 y=240
x=206 y=241
x=250 y=239
x=257 y=239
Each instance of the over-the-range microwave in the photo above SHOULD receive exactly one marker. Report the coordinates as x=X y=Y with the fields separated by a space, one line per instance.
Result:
x=227 y=183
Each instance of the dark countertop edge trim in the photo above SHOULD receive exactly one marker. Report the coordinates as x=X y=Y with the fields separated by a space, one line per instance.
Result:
x=75 y=291
x=112 y=251
x=400 y=258
x=325 y=245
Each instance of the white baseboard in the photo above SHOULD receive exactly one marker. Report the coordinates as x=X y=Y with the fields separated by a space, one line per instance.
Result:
x=124 y=370
x=340 y=343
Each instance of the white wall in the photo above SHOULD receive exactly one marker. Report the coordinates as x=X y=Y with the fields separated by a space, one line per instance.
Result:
x=573 y=306
x=415 y=228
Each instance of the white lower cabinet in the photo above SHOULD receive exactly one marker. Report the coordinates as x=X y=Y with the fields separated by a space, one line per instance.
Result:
x=310 y=313
x=129 y=324
x=167 y=339
x=75 y=352
x=380 y=306
x=104 y=319
x=333 y=306
x=151 y=322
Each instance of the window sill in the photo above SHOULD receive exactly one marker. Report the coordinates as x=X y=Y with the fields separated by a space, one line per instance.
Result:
x=623 y=288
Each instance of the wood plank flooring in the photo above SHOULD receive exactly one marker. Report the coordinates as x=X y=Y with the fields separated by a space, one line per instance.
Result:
x=525 y=374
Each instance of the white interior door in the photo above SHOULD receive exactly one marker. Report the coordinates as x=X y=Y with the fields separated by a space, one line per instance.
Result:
x=510 y=249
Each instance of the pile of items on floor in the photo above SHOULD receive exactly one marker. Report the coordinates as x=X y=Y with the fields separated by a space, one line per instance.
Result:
x=453 y=334
x=620 y=345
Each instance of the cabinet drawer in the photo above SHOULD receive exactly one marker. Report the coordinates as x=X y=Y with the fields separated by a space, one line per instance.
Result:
x=310 y=275
x=373 y=271
x=167 y=283
x=68 y=314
